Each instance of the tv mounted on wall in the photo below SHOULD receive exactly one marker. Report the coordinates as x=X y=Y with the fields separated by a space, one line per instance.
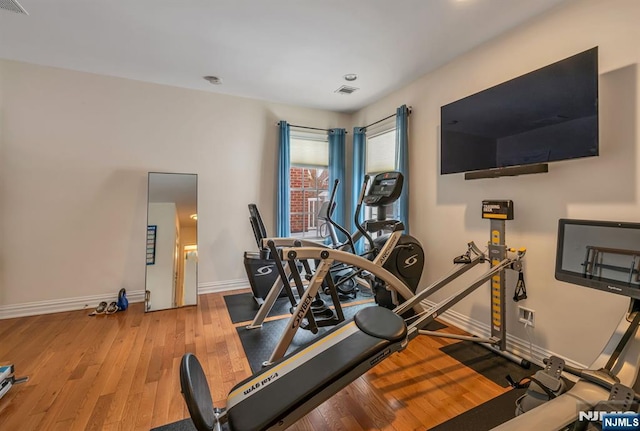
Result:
x=603 y=255
x=519 y=126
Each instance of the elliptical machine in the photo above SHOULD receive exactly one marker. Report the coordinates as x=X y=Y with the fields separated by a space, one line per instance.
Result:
x=345 y=278
x=399 y=254
x=405 y=257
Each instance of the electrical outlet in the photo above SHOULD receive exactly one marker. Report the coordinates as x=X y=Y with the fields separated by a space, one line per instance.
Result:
x=526 y=316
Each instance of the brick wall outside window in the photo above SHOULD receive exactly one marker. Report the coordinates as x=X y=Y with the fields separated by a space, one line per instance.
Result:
x=306 y=184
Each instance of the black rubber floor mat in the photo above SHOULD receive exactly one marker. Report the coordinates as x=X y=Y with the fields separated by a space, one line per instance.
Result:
x=485 y=416
x=243 y=307
x=491 y=365
x=258 y=344
x=183 y=425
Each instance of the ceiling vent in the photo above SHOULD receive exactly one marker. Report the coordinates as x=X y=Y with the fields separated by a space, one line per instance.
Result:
x=345 y=89
x=12 y=6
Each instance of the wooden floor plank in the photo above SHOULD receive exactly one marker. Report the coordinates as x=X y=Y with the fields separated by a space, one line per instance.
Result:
x=121 y=372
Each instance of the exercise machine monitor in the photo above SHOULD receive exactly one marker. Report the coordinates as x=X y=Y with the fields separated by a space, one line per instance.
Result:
x=603 y=255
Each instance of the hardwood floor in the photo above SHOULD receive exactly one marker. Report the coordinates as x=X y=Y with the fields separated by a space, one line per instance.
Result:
x=120 y=372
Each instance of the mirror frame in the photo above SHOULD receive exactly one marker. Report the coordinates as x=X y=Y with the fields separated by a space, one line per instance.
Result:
x=171 y=203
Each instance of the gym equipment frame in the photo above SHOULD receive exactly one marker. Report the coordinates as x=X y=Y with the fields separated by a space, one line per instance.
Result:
x=280 y=394
x=497 y=211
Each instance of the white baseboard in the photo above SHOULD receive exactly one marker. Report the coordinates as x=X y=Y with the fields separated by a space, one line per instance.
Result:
x=60 y=305
x=222 y=286
x=90 y=302
x=518 y=346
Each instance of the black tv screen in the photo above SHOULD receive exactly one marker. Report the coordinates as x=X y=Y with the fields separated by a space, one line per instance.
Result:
x=603 y=255
x=547 y=115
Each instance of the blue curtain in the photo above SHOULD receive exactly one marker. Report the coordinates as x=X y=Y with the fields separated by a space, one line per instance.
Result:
x=283 y=228
x=337 y=172
x=402 y=161
x=359 y=145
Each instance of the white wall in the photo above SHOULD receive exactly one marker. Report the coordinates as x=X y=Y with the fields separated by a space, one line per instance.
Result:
x=77 y=148
x=445 y=210
x=190 y=278
x=189 y=236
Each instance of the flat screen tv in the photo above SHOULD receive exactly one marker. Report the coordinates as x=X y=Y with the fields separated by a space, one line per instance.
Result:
x=547 y=115
x=603 y=255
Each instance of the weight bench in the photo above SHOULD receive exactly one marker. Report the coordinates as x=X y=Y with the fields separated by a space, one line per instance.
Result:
x=279 y=395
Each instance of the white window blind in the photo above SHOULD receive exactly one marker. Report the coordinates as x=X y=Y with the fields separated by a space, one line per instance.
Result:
x=309 y=150
x=381 y=152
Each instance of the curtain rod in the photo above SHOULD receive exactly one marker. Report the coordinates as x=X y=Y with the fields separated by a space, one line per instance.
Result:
x=310 y=128
x=385 y=118
x=307 y=127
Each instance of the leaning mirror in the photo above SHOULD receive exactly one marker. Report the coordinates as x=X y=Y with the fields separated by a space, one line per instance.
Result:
x=172 y=241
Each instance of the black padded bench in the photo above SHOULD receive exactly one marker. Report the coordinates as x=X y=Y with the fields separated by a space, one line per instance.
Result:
x=285 y=391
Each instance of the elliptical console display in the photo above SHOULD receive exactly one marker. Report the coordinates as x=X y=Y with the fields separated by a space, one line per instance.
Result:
x=385 y=189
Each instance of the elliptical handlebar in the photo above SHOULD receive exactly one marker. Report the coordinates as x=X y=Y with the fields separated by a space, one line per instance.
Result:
x=333 y=222
x=356 y=217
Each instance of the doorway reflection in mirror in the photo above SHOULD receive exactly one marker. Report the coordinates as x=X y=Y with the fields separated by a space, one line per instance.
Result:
x=172 y=253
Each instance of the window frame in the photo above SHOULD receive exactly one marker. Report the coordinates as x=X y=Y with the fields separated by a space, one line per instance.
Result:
x=393 y=211
x=309 y=218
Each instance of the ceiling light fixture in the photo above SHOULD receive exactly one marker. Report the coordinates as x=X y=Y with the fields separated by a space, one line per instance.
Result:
x=350 y=77
x=213 y=80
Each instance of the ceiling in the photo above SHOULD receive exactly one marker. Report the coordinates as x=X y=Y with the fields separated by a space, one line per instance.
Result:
x=288 y=51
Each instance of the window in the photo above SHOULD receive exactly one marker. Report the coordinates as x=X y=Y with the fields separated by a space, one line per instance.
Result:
x=309 y=183
x=381 y=157
x=381 y=152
